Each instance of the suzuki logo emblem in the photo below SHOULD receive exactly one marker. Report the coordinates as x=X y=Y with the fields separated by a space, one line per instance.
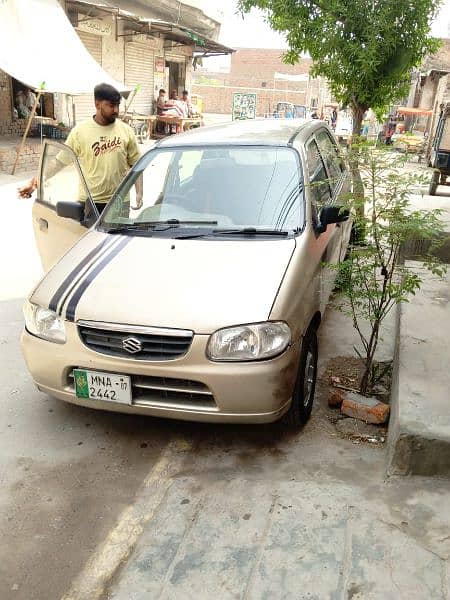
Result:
x=132 y=345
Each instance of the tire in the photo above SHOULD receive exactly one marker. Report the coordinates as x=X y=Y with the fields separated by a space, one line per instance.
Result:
x=305 y=385
x=434 y=183
x=143 y=133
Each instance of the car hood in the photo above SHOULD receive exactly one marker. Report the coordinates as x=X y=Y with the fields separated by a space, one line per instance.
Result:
x=201 y=285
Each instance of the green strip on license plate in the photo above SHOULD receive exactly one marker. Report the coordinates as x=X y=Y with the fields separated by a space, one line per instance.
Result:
x=81 y=383
x=98 y=385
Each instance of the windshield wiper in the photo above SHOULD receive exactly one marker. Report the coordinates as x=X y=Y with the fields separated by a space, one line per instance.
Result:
x=250 y=231
x=127 y=227
x=243 y=231
x=143 y=225
x=177 y=222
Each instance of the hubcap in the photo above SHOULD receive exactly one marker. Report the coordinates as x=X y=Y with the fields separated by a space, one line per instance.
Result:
x=308 y=378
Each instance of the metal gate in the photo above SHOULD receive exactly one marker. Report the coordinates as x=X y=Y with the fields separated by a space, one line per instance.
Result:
x=84 y=104
x=139 y=69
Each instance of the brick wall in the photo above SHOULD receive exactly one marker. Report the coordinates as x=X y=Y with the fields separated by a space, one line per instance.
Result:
x=219 y=99
x=255 y=66
x=252 y=70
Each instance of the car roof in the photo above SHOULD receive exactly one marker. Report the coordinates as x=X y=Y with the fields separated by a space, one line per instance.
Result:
x=264 y=132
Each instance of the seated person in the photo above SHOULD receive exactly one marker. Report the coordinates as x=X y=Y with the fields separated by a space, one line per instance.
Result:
x=189 y=108
x=169 y=108
x=161 y=102
x=174 y=108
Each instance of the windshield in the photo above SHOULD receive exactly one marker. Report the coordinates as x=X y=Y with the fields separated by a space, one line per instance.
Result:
x=213 y=187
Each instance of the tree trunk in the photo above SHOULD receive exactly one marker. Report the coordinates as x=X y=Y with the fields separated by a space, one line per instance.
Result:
x=358 y=111
x=367 y=379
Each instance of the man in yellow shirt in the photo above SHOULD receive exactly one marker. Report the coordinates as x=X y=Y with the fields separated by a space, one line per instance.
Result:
x=106 y=148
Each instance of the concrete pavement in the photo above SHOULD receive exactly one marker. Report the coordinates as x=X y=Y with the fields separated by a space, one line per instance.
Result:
x=261 y=512
x=299 y=540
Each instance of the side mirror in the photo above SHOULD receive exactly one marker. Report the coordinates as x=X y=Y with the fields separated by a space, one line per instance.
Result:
x=70 y=210
x=331 y=214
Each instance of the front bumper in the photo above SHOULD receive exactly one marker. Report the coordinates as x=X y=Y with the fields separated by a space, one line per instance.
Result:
x=190 y=388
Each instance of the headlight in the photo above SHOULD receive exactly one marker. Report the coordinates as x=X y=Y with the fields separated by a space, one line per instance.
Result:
x=249 y=342
x=44 y=323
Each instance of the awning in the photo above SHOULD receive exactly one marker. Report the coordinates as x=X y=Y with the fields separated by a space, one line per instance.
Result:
x=174 y=32
x=40 y=48
x=407 y=110
x=202 y=46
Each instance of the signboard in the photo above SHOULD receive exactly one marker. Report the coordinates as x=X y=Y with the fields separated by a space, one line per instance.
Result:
x=95 y=26
x=288 y=77
x=244 y=106
x=160 y=64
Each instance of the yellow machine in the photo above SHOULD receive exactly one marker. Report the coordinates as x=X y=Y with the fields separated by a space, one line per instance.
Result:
x=198 y=102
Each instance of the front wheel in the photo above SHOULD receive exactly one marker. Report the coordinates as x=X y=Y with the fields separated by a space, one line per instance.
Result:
x=303 y=397
x=434 y=183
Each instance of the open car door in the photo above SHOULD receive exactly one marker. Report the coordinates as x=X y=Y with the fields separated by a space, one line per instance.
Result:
x=60 y=181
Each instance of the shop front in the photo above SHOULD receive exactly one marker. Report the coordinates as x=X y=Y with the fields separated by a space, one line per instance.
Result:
x=89 y=43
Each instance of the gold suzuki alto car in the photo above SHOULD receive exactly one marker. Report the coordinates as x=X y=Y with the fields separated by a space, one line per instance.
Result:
x=202 y=303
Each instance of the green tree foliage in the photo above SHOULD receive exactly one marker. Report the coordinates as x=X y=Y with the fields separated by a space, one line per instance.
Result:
x=364 y=48
x=374 y=277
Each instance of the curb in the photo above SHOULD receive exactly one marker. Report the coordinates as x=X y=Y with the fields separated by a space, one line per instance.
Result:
x=419 y=431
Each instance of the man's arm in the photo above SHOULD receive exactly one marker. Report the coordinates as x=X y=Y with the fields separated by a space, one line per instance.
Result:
x=139 y=191
x=26 y=191
x=133 y=155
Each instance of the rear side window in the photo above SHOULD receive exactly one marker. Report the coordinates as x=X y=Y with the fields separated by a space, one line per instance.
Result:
x=330 y=156
x=318 y=179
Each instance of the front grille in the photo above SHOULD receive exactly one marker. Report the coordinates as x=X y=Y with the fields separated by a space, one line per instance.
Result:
x=167 y=390
x=147 y=391
x=143 y=346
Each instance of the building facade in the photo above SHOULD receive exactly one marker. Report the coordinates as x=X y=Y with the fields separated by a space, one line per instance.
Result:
x=146 y=44
x=427 y=85
x=263 y=72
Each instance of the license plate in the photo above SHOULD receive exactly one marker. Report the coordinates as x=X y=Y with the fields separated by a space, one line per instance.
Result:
x=102 y=386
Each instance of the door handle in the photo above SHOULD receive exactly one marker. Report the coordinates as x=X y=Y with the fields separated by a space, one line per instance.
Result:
x=43 y=224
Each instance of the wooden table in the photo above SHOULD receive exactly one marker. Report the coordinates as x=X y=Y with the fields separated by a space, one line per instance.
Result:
x=181 y=123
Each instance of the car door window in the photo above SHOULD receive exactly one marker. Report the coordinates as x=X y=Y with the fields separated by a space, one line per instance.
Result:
x=61 y=178
x=330 y=157
x=320 y=191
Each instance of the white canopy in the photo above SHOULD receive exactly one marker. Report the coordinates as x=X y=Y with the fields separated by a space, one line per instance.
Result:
x=40 y=48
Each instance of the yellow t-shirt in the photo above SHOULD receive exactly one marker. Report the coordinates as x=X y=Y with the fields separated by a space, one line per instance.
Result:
x=105 y=153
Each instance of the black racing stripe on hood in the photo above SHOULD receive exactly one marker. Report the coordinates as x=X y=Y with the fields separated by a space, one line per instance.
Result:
x=71 y=307
x=68 y=280
x=77 y=280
